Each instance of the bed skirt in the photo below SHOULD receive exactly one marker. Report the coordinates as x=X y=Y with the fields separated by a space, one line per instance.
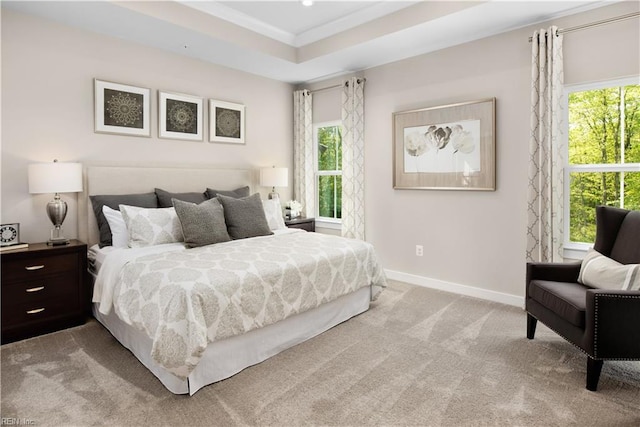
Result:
x=225 y=358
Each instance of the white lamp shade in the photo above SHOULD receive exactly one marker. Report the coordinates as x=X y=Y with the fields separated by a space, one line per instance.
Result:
x=55 y=177
x=274 y=177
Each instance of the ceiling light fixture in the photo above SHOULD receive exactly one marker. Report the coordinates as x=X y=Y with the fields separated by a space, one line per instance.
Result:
x=307 y=3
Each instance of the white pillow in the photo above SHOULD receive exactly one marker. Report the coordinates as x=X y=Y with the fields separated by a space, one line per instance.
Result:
x=148 y=227
x=598 y=271
x=119 y=233
x=273 y=212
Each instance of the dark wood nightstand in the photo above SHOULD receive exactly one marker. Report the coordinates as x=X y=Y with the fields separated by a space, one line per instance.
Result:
x=43 y=289
x=308 y=224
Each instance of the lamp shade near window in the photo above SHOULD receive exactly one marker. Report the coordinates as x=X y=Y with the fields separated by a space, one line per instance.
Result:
x=56 y=178
x=274 y=177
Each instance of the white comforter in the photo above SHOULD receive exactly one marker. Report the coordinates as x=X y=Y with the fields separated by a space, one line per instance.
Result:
x=184 y=299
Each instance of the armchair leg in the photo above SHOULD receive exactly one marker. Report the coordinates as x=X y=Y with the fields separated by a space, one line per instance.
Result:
x=531 y=326
x=594 y=367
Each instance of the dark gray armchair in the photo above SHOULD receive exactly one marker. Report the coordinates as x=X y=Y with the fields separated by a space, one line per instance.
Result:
x=605 y=324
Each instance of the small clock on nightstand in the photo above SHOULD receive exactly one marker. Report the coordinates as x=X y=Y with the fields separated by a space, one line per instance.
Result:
x=9 y=234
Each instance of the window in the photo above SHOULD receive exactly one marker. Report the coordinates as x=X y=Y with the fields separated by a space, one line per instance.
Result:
x=603 y=162
x=328 y=149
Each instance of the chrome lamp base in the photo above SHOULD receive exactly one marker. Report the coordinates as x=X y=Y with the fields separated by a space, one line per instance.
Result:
x=57 y=212
x=273 y=194
x=57 y=238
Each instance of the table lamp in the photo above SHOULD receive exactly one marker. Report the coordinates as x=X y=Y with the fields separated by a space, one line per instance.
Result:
x=274 y=177
x=55 y=177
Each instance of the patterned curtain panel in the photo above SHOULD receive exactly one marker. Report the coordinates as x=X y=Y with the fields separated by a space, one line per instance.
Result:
x=303 y=168
x=353 y=158
x=546 y=149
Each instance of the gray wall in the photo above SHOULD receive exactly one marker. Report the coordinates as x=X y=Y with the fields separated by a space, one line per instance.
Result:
x=475 y=239
x=47 y=111
x=474 y=242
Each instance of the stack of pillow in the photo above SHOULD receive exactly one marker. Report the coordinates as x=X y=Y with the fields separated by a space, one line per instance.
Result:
x=198 y=219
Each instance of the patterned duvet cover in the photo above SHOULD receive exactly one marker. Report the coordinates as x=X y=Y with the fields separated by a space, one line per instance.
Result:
x=184 y=299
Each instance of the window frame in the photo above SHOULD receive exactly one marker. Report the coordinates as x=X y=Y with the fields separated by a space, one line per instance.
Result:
x=324 y=222
x=577 y=250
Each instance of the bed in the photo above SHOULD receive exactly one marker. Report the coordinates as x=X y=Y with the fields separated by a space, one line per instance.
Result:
x=234 y=303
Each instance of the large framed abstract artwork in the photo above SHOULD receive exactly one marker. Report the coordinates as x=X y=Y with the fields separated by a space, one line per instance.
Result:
x=122 y=109
x=180 y=116
x=449 y=147
x=226 y=122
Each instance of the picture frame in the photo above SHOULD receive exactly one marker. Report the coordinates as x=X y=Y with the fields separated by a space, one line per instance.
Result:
x=226 y=122
x=121 y=109
x=448 y=147
x=180 y=116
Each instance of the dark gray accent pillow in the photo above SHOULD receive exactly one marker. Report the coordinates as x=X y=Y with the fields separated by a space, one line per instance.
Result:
x=165 y=197
x=202 y=224
x=237 y=193
x=244 y=217
x=145 y=200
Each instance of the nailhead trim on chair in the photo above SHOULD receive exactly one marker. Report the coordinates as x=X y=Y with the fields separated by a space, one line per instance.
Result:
x=596 y=333
x=595 y=337
x=595 y=327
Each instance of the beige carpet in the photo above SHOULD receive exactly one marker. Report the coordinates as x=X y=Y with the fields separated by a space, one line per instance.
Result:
x=418 y=357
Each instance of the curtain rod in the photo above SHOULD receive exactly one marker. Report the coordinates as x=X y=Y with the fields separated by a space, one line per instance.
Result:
x=322 y=89
x=596 y=23
x=336 y=86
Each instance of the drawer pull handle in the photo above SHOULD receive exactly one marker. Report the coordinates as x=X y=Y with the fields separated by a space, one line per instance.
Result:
x=37 y=310
x=39 y=288
x=34 y=267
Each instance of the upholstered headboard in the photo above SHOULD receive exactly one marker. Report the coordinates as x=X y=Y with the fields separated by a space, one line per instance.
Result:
x=130 y=180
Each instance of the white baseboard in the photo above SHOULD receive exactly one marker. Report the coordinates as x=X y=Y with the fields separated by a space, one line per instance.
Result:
x=456 y=288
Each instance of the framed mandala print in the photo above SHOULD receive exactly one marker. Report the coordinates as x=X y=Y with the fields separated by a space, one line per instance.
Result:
x=122 y=109
x=180 y=116
x=226 y=122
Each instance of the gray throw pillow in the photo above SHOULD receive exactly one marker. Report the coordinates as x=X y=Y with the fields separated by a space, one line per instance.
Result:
x=145 y=200
x=237 y=193
x=165 y=197
x=202 y=224
x=244 y=217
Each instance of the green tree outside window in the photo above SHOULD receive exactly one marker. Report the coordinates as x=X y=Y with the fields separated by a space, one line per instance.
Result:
x=604 y=155
x=329 y=175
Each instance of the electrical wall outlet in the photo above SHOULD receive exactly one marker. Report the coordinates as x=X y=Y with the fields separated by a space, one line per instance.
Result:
x=419 y=250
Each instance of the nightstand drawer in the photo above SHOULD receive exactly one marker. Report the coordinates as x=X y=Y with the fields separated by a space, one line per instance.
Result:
x=32 y=291
x=29 y=312
x=38 y=266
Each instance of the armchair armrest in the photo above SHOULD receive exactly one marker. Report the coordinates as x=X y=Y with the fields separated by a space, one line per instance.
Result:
x=553 y=271
x=613 y=320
